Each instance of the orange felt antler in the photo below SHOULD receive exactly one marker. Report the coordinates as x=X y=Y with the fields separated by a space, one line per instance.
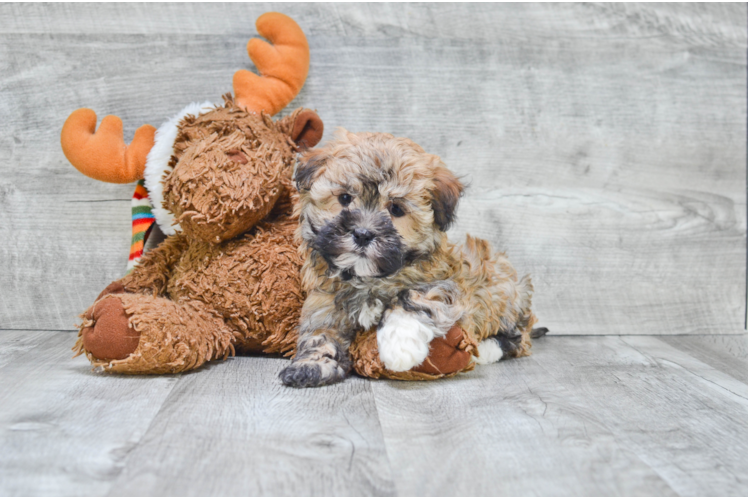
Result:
x=283 y=65
x=102 y=154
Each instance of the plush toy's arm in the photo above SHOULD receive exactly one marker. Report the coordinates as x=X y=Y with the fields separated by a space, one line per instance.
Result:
x=151 y=275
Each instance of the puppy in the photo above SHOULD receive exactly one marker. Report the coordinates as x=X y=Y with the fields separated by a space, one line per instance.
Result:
x=373 y=213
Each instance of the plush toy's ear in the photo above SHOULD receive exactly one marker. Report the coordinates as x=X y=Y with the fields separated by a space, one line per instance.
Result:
x=307 y=129
x=445 y=195
x=310 y=164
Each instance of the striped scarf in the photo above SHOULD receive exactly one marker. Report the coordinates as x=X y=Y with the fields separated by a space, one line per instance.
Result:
x=142 y=223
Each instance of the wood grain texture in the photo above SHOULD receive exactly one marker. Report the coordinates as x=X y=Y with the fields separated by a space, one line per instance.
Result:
x=604 y=144
x=672 y=410
x=729 y=354
x=15 y=343
x=500 y=429
x=583 y=416
x=606 y=415
x=64 y=430
x=716 y=23
x=234 y=429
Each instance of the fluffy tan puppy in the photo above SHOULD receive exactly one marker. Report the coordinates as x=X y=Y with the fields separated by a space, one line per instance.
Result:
x=373 y=213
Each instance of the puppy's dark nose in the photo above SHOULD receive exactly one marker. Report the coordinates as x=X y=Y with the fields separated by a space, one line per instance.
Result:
x=362 y=237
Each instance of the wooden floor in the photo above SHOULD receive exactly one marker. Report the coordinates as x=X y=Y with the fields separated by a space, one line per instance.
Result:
x=615 y=415
x=605 y=148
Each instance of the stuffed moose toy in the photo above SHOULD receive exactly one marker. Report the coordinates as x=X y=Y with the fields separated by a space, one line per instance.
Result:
x=226 y=279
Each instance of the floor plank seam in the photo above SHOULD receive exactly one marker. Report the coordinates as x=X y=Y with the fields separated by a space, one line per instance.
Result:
x=622 y=445
x=384 y=438
x=145 y=432
x=38 y=330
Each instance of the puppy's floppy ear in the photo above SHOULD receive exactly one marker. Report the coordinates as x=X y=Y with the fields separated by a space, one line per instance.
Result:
x=444 y=197
x=309 y=165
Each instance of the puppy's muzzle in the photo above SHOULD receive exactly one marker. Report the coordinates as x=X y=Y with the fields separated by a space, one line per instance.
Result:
x=362 y=237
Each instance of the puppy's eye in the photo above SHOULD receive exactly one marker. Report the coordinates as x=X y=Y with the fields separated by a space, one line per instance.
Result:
x=345 y=199
x=396 y=210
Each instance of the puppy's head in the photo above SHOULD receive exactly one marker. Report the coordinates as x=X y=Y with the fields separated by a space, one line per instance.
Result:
x=372 y=203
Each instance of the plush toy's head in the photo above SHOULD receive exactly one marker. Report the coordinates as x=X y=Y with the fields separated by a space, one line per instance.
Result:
x=228 y=168
x=214 y=171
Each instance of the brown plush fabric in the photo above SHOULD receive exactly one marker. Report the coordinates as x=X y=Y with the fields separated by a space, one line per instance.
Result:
x=307 y=130
x=151 y=275
x=448 y=354
x=447 y=357
x=112 y=288
x=214 y=197
x=231 y=278
x=252 y=281
x=173 y=337
x=109 y=334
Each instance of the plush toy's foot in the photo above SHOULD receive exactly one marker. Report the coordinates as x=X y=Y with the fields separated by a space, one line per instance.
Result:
x=109 y=335
x=447 y=356
x=139 y=334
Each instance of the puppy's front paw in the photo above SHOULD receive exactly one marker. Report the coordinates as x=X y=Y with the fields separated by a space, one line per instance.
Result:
x=306 y=373
x=403 y=341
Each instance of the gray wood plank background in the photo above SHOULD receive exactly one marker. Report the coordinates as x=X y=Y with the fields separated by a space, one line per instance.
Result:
x=604 y=144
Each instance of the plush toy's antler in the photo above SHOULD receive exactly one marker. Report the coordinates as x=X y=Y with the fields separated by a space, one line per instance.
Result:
x=283 y=65
x=102 y=154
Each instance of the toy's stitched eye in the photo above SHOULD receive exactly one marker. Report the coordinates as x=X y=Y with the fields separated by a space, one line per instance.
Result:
x=396 y=210
x=345 y=199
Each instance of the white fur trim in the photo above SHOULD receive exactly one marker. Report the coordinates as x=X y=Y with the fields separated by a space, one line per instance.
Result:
x=403 y=340
x=157 y=164
x=490 y=352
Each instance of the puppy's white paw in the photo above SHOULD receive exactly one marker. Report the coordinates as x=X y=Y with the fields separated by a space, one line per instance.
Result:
x=490 y=352
x=403 y=341
x=370 y=314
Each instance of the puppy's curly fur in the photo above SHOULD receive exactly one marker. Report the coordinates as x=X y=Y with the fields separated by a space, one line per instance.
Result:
x=373 y=213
